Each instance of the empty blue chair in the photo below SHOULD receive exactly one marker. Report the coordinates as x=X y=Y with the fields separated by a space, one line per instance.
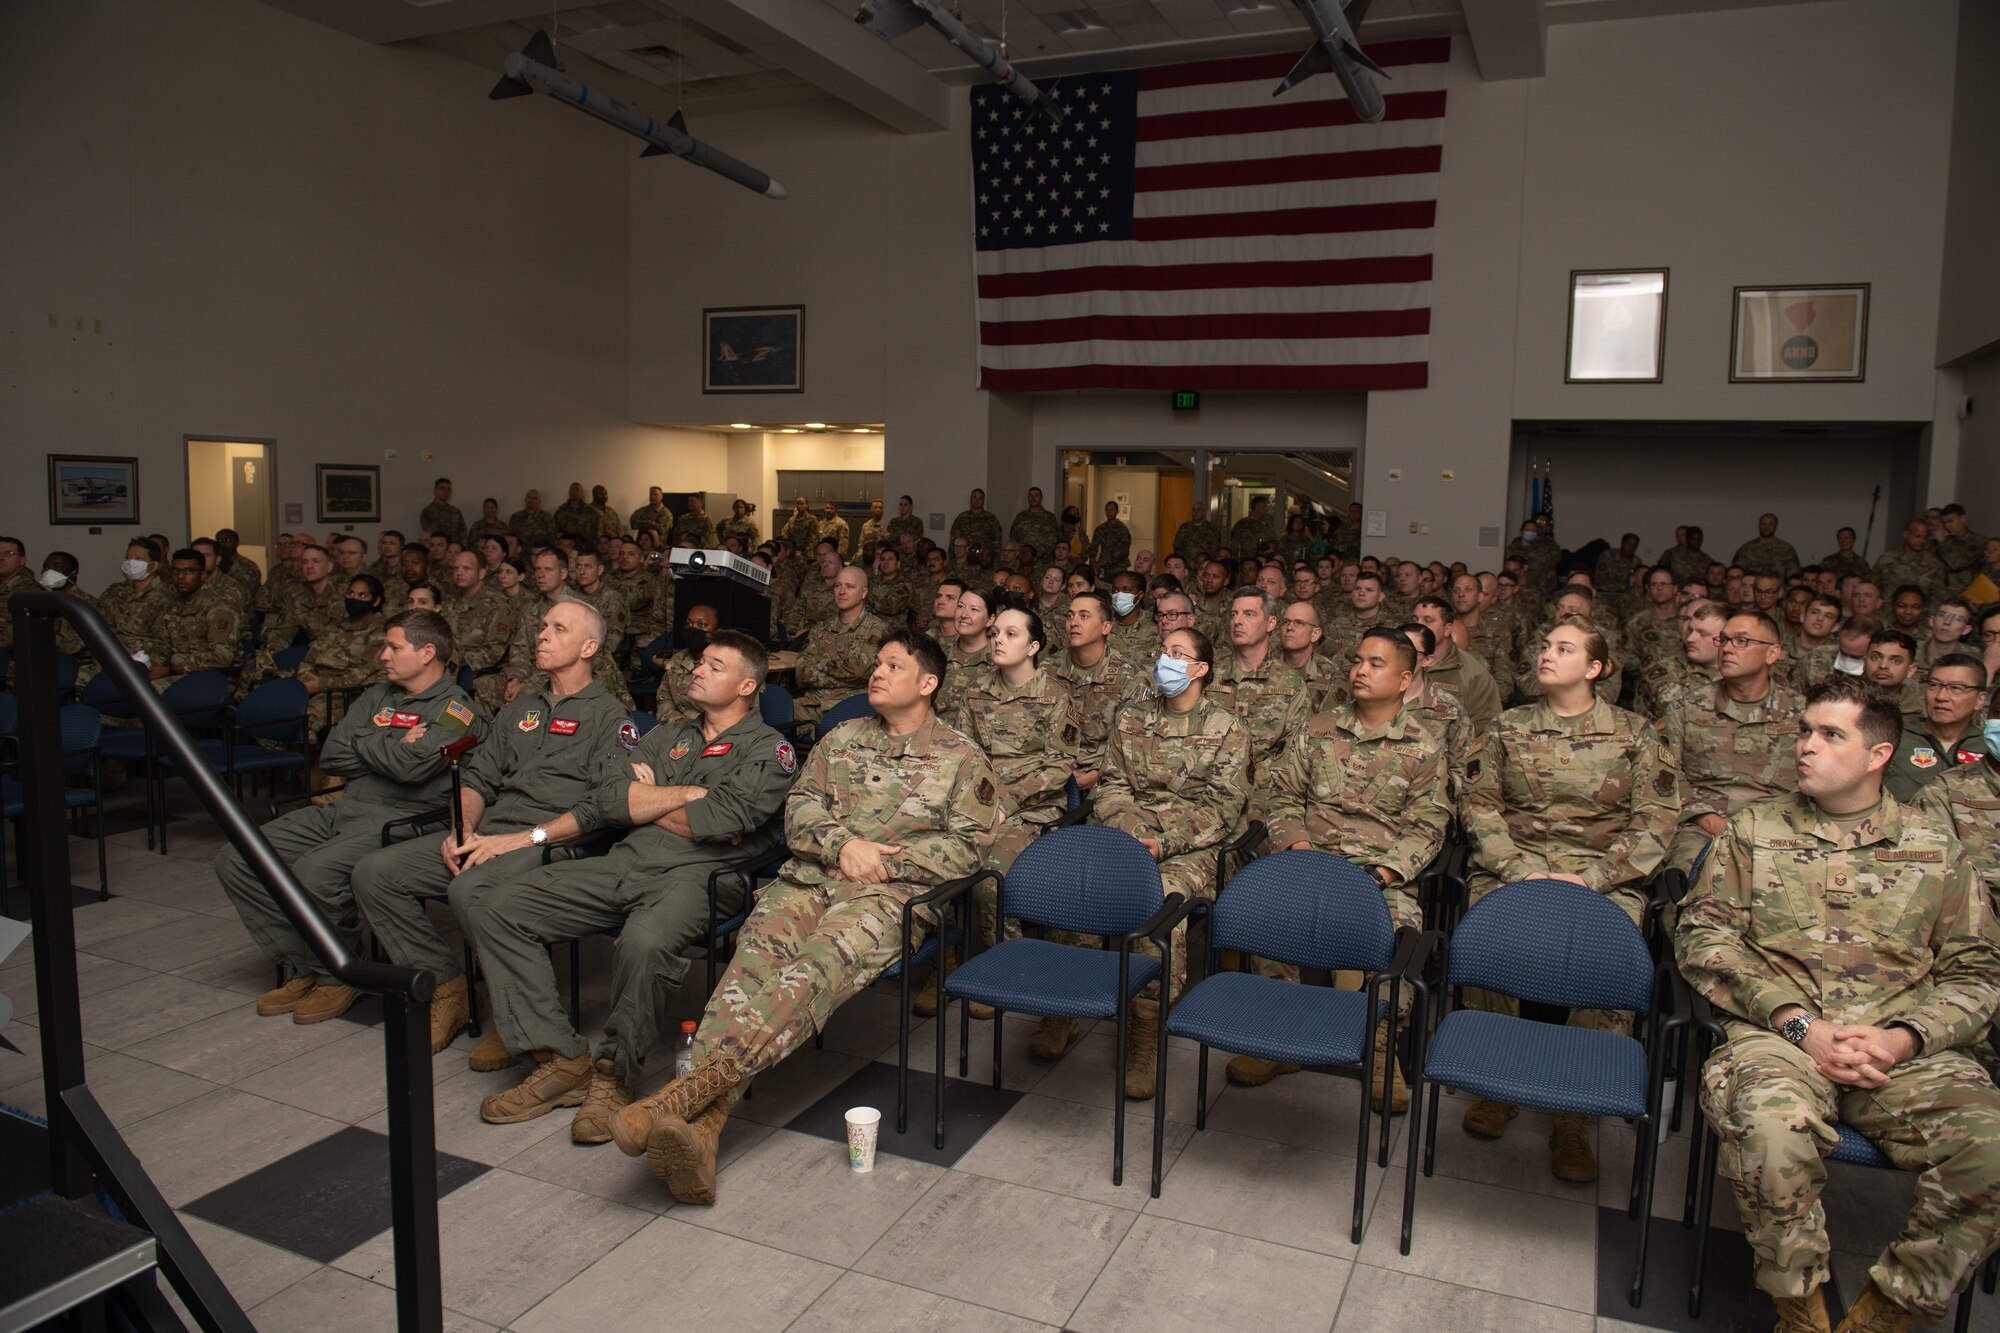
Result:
x=774 y=705
x=198 y=701
x=1554 y=943
x=465 y=679
x=848 y=709
x=1311 y=909
x=288 y=658
x=1091 y=880
x=10 y=724
x=644 y=721
x=80 y=728
x=274 y=712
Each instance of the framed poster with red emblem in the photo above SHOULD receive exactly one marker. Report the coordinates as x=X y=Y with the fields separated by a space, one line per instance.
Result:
x=1795 y=335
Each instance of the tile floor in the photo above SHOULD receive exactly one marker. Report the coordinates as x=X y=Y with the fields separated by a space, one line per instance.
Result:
x=268 y=1137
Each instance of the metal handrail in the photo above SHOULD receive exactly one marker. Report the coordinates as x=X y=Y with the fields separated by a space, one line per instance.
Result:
x=82 y=1145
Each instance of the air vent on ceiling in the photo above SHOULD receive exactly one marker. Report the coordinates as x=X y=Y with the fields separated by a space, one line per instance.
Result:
x=1075 y=20
x=655 y=54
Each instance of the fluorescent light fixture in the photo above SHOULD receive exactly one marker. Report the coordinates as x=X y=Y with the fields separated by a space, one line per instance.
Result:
x=789 y=430
x=815 y=425
x=741 y=425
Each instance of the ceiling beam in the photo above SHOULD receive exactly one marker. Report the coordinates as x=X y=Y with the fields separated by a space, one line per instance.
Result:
x=830 y=51
x=1510 y=38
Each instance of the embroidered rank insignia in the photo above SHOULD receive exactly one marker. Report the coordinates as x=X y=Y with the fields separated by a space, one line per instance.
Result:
x=458 y=712
x=405 y=721
x=530 y=719
x=1923 y=757
x=383 y=715
x=717 y=750
x=788 y=758
x=628 y=735
x=563 y=726
x=1964 y=757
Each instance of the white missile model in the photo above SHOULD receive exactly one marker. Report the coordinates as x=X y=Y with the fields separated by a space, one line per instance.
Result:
x=1334 y=48
x=890 y=19
x=533 y=70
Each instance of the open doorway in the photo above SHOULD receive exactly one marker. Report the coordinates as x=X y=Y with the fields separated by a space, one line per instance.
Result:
x=229 y=486
x=1157 y=491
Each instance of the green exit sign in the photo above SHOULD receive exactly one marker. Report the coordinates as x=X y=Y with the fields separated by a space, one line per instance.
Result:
x=1186 y=400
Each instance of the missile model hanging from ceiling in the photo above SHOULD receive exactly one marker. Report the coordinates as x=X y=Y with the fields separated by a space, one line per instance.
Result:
x=1334 y=48
x=533 y=70
x=892 y=18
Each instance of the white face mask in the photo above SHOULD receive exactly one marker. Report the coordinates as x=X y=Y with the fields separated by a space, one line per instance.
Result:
x=134 y=569
x=1123 y=602
x=53 y=580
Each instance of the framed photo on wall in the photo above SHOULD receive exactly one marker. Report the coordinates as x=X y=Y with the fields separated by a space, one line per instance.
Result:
x=753 y=349
x=1795 y=334
x=85 y=488
x=1617 y=326
x=348 y=493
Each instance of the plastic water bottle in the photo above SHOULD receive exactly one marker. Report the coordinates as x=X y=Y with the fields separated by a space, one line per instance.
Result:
x=684 y=1052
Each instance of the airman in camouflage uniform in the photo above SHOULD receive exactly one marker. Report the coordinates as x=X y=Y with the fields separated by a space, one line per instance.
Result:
x=876 y=816
x=1110 y=548
x=840 y=652
x=344 y=657
x=1197 y=537
x=695 y=529
x=739 y=525
x=482 y=629
x=488 y=524
x=1269 y=698
x=1915 y=564
x=198 y=630
x=833 y=528
x=979 y=525
x=653 y=516
x=575 y=519
x=904 y=523
x=1653 y=632
x=1875 y=926
x=1036 y=526
x=441 y=515
x=1967 y=800
x=532 y=523
x=891 y=596
x=1253 y=530
x=132 y=608
x=801 y=529
x=1960 y=550
x=1768 y=553
x=1030 y=735
x=1097 y=687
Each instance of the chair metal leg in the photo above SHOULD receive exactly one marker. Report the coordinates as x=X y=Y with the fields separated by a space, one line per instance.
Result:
x=471 y=992
x=999 y=1019
x=1201 y=1090
x=1963 y=1323
x=1159 y=1110
x=1368 y=1090
x=938 y=1025
x=1431 y=1132
x=1118 y=1101
x=1704 y=1148
x=903 y=1047
x=1410 y=1150
x=1648 y=1153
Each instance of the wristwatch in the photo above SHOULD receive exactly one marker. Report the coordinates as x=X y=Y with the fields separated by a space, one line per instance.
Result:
x=538 y=835
x=1794 y=1028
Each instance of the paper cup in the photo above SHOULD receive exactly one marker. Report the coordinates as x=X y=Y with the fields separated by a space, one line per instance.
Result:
x=863 y=1124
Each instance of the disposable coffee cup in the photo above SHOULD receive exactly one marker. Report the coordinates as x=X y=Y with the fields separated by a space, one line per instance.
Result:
x=863 y=1124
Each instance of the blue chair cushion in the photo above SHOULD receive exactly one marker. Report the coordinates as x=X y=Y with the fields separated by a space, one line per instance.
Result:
x=1275 y=1020
x=1050 y=980
x=1570 y=1071
x=14 y=800
x=257 y=759
x=123 y=743
x=1856 y=1150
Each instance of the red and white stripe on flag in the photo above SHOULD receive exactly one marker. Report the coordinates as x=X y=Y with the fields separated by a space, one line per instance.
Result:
x=1265 y=244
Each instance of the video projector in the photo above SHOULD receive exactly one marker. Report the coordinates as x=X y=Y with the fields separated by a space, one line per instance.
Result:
x=688 y=563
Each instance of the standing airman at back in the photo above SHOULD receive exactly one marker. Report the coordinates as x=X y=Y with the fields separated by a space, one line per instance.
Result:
x=1914 y=564
x=441 y=515
x=1036 y=526
x=1767 y=552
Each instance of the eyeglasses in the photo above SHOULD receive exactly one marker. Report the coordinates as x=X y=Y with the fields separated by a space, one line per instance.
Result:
x=1951 y=688
x=1173 y=615
x=1744 y=641
x=1951 y=618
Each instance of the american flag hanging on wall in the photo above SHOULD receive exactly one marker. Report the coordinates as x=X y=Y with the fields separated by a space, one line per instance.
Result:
x=1184 y=230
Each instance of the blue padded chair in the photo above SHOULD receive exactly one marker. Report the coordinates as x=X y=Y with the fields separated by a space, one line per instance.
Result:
x=198 y=701
x=644 y=721
x=288 y=659
x=848 y=709
x=774 y=705
x=1312 y=909
x=274 y=711
x=80 y=729
x=643 y=678
x=465 y=679
x=1554 y=943
x=10 y=725
x=1092 y=880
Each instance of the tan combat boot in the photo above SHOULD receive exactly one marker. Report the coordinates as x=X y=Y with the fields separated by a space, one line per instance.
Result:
x=324 y=1002
x=1570 y=1157
x=924 y=1004
x=491 y=1056
x=606 y=1096
x=450 y=1011
x=1487 y=1119
x=1142 y=1057
x=1873 y=1312
x=1053 y=1038
x=682 y=1100
x=682 y=1153
x=285 y=998
x=558 y=1080
x=1803 y=1314
x=1399 y=1098
x=1250 y=1072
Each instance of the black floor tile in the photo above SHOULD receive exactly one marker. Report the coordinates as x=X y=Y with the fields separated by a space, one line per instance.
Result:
x=129 y=819
x=1730 y=1301
x=14 y=900
x=366 y=1011
x=324 y=1199
x=24 y=1159
x=970 y=1109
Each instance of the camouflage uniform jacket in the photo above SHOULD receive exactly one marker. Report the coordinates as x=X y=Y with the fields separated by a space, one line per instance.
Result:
x=1663 y=682
x=1652 y=638
x=21 y=580
x=897 y=525
x=1768 y=555
x=441 y=517
x=1110 y=548
x=1493 y=639
x=1030 y=736
x=743 y=529
x=608 y=522
x=1097 y=692
x=673 y=701
x=836 y=530
x=1037 y=528
x=133 y=612
x=1853 y=562
x=1271 y=700
x=1966 y=799
x=549 y=756
x=484 y=528
x=979 y=527
x=873 y=532
x=1323 y=682
x=281 y=580
x=812 y=604
x=1688 y=564
x=529 y=609
x=931 y=793
x=1440 y=710
x=1192 y=539
x=891 y=599
x=1596 y=795
x=1613 y=572
x=1139 y=641
x=1373 y=795
x=366 y=747
x=802 y=531
x=1883 y=922
x=346 y=656
x=1922 y=569
x=1961 y=557
x=1732 y=753
x=533 y=526
x=639 y=589
x=199 y=633
x=576 y=520
x=482 y=627
x=656 y=519
x=1803 y=668
x=839 y=656
x=247 y=575
x=1471 y=682
x=1183 y=778
x=694 y=531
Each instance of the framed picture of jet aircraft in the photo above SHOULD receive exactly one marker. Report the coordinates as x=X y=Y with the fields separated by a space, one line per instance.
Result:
x=85 y=488
x=753 y=349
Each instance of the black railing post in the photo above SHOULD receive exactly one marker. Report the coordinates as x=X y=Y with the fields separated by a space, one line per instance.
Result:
x=413 y=1207
x=44 y=853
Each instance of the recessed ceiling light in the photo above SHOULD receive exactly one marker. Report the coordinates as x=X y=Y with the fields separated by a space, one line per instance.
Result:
x=789 y=430
x=815 y=425
x=741 y=425
x=861 y=430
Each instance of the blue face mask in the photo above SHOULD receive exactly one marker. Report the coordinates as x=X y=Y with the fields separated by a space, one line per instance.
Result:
x=1124 y=602
x=1171 y=675
x=1993 y=735
x=1529 y=535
